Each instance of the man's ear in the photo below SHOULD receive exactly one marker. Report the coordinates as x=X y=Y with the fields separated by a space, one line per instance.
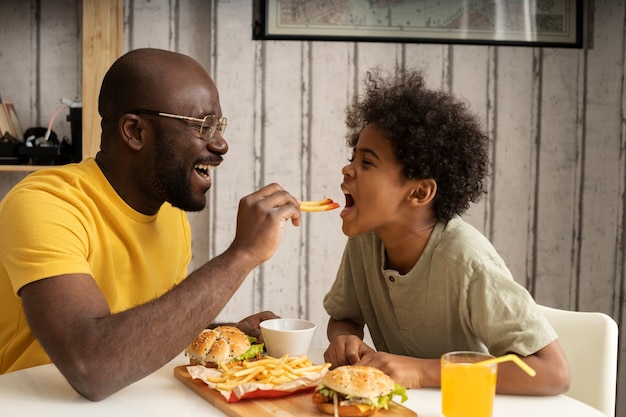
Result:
x=132 y=130
x=423 y=192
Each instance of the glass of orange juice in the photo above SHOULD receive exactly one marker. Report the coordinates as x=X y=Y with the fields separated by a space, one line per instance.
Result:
x=467 y=390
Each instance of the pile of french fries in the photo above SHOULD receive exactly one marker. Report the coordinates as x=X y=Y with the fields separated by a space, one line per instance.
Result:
x=269 y=370
x=318 y=205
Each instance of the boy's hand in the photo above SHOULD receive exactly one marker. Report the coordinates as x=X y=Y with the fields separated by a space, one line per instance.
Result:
x=404 y=370
x=346 y=350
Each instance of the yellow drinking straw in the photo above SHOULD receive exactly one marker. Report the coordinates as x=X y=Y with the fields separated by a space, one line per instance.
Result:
x=510 y=357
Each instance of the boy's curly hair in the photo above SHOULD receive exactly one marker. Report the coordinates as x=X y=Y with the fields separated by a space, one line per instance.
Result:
x=434 y=135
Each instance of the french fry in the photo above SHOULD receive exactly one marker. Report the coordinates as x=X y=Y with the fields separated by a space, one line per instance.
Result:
x=268 y=370
x=249 y=371
x=298 y=361
x=318 y=205
x=251 y=376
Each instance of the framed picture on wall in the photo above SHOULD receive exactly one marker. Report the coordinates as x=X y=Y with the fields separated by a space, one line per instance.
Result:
x=549 y=23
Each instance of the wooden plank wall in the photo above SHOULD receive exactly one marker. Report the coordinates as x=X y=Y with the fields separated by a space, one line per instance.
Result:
x=103 y=40
x=555 y=210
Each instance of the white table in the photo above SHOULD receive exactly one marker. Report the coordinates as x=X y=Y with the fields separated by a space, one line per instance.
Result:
x=43 y=391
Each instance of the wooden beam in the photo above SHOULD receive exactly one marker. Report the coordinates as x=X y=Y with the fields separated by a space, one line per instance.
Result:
x=103 y=36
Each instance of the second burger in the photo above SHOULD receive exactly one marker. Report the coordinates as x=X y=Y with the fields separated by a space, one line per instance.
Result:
x=223 y=345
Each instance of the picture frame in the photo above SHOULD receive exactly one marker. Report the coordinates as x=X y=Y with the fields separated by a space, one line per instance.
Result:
x=541 y=23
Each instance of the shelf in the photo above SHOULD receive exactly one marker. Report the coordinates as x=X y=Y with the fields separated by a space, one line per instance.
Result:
x=103 y=35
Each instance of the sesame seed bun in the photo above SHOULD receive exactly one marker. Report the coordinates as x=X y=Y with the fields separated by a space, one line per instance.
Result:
x=352 y=382
x=359 y=381
x=222 y=344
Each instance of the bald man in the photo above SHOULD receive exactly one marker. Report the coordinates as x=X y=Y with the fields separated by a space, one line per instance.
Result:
x=94 y=275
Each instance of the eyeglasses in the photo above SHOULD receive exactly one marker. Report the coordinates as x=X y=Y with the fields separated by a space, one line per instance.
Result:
x=207 y=126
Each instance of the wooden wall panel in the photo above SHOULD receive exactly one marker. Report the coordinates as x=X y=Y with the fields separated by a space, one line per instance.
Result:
x=20 y=55
x=514 y=160
x=149 y=24
x=431 y=59
x=557 y=180
x=601 y=164
x=471 y=84
x=102 y=44
x=328 y=154
x=55 y=83
x=620 y=275
x=282 y=152
x=387 y=57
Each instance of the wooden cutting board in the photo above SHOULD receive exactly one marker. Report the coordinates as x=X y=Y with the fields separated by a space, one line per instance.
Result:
x=298 y=404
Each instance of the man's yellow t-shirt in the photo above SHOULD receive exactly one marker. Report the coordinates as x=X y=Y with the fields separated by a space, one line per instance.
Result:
x=67 y=220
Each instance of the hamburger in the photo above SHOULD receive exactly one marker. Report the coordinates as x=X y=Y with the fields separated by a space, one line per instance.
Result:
x=222 y=345
x=353 y=390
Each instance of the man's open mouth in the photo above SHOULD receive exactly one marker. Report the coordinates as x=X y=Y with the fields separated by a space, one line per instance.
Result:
x=203 y=170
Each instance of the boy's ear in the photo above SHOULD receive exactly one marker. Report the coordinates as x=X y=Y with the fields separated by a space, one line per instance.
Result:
x=132 y=128
x=423 y=192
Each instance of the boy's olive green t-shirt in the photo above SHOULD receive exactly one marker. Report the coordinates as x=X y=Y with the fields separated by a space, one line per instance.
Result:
x=459 y=296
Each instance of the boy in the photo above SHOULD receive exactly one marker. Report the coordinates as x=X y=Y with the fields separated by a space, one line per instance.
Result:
x=424 y=281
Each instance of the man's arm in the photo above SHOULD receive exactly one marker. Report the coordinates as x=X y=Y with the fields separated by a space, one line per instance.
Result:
x=99 y=353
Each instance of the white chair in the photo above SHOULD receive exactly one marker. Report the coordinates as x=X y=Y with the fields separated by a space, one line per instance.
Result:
x=590 y=343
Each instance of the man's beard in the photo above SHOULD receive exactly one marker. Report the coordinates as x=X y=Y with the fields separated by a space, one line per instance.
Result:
x=171 y=178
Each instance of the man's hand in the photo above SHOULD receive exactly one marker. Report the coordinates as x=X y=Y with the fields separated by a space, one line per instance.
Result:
x=260 y=222
x=250 y=325
x=346 y=350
